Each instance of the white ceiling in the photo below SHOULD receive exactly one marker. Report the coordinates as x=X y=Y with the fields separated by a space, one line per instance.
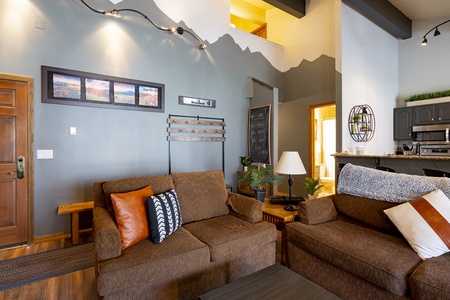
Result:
x=418 y=10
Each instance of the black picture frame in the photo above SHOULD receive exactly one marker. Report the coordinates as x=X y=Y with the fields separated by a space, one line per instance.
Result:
x=200 y=102
x=71 y=87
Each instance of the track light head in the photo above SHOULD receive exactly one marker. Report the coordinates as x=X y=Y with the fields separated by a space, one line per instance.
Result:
x=113 y=13
x=424 y=42
x=180 y=30
x=436 y=32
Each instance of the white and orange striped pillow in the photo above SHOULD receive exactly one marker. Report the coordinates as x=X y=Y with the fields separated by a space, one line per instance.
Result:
x=425 y=223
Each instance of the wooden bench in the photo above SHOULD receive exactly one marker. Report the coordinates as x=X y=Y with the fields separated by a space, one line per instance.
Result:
x=75 y=209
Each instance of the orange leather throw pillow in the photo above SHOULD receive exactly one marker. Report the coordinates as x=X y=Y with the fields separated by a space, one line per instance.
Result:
x=131 y=215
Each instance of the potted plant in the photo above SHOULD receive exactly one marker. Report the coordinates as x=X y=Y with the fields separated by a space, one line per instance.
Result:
x=246 y=161
x=311 y=186
x=357 y=118
x=258 y=178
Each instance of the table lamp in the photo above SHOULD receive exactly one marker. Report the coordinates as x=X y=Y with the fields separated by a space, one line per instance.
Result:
x=290 y=164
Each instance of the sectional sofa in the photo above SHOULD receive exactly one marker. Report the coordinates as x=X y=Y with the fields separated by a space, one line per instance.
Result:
x=348 y=244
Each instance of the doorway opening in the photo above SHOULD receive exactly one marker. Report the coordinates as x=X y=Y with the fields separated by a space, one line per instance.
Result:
x=323 y=145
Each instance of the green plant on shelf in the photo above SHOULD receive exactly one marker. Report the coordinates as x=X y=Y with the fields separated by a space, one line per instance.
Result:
x=357 y=118
x=426 y=96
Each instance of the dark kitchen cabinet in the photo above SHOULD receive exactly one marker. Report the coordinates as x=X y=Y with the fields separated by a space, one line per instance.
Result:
x=403 y=120
x=431 y=114
x=424 y=115
x=443 y=111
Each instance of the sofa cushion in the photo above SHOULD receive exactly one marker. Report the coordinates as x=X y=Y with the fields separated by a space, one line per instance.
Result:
x=131 y=215
x=163 y=215
x=425 y=223
x=383 y=260
x=228 y=236
x=202 y=195
x=367 y=211
x=146 y=262
x=430 y=279
x=160 y=184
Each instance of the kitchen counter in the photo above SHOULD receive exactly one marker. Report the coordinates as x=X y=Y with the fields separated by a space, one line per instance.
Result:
x=407 y=164
x=392 y=156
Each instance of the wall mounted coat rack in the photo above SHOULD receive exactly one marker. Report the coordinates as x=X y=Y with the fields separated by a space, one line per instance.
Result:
x=183 y=128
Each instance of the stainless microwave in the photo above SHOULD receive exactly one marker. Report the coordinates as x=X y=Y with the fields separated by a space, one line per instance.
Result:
x=431 y=134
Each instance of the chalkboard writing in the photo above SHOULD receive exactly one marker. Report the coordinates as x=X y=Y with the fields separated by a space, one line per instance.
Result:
x=259 y=134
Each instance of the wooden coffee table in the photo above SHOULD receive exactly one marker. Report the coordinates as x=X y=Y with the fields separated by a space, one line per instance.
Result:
x=274 y=282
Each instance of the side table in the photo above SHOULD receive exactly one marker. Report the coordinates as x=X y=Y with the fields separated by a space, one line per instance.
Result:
x=275 y=214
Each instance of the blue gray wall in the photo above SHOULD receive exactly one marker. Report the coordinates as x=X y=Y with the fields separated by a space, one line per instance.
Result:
x=112 y=144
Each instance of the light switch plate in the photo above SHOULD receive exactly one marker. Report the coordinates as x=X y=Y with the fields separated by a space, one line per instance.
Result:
x=72 y=130
x=45 y=154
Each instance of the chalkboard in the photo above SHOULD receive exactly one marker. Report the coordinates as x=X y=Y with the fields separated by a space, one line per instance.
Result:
x=259 y=134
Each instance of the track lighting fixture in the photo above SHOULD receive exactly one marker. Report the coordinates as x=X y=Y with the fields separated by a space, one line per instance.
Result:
x=116 y=13
x=436 y=33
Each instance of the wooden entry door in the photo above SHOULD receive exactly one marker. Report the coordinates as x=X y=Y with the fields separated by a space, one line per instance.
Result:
x=16 y=190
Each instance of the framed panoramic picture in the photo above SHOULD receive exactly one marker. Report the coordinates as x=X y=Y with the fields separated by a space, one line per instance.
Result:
x=63 y=86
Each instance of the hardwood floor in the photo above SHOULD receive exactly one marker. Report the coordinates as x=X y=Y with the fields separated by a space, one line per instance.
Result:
x=75 y=285
x=79 y=285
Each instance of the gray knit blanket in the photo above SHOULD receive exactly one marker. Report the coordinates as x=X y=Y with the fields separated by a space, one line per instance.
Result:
x=391 y=187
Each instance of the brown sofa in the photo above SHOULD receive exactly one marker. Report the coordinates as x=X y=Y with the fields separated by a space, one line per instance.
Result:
x=222 y=238
x=348 y=245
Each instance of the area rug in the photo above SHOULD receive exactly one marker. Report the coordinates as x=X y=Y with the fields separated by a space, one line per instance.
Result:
x=39 y=266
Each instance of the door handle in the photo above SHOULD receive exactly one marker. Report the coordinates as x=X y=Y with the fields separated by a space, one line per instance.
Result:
x=20 y=167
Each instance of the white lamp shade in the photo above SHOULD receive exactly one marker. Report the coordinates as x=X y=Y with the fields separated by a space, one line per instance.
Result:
x=290 y=163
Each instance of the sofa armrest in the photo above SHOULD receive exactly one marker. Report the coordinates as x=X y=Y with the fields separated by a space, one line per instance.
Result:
x=317 y=211
x=245 y=208
x=107 y=242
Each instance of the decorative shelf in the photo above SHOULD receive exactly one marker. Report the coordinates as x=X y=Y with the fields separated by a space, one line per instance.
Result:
x=361 y=128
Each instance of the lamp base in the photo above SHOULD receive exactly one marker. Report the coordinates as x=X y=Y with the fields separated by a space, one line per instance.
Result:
x=290 y=207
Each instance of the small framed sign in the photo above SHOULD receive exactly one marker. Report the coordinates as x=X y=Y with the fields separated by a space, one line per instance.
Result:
x=196 y=101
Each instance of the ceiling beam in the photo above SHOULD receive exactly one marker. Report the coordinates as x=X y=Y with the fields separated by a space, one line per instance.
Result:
x=297 y=8
x=385 y=15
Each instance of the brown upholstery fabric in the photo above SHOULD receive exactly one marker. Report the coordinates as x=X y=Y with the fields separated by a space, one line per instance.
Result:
x=431 y=279
x=245 y=208
x=131 y=215
x=341 y=283
x=366 y=210
x=146 y=262
x=182 y=286
x=201 y=195
x=160 y=184
x=317 y=211
x=228 y=236
x=383 y=260
x=106 y=235
x=99 y=196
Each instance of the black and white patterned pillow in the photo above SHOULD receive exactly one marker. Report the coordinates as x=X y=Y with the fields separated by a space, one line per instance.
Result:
x=163 y=215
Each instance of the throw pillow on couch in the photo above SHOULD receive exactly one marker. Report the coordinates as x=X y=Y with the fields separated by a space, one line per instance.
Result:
x=140 y=214
x=163 y=215
x=131 y=215
x=425 y=223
